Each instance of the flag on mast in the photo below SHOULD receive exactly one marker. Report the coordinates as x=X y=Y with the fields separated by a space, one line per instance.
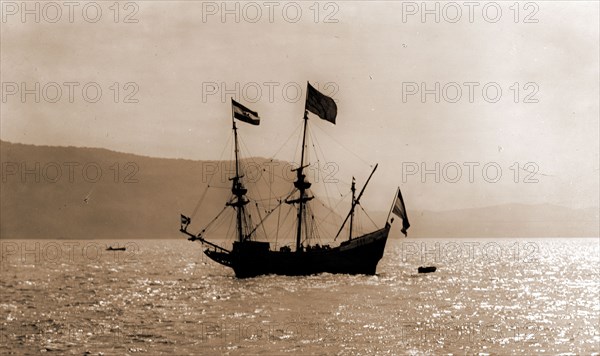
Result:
x=244 y=114
x=400 y=210
x=185 y=221
x=320 y=104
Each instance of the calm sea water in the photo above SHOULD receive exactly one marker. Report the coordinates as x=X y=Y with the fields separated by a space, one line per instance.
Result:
x=527 y=296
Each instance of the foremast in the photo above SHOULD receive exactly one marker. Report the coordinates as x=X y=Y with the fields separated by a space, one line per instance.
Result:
x=239 y=201
x=238 y=190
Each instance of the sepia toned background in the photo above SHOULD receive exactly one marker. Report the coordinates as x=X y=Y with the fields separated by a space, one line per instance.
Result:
x=167 y=72
x=115 y=116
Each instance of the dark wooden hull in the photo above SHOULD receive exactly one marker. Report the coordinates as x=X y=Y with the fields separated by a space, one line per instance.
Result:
x=357 y=256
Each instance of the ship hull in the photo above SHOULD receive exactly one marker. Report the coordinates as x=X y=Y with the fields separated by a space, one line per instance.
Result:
x=357 y=256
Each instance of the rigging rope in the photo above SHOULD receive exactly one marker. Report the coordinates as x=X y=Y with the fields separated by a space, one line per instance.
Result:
x=331 y=211
x=210 y=179
x=200 y=201
x=286 y=141
x=213 y=220
x=278 y=205
x=347 y=149
x=361 y=208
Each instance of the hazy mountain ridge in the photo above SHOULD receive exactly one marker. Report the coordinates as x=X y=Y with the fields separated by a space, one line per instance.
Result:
x=511 y=220
x=141 y=197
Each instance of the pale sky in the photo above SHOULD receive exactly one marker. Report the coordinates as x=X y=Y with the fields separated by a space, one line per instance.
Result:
x=371 y=52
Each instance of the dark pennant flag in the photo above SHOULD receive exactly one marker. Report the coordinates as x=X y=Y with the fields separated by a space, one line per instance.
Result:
x=244 y=114
x=400 y=210
x=320 y=105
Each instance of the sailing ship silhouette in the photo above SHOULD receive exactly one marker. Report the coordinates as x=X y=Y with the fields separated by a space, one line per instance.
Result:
x=250 y=258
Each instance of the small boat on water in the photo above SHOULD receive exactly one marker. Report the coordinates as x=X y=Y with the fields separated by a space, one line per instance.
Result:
x=429 y=269
x=110 y=248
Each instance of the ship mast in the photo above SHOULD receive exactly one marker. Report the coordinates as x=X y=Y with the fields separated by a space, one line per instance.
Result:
x=237 y=188
x=355 y=202
x=353 y=188
x=302 y=185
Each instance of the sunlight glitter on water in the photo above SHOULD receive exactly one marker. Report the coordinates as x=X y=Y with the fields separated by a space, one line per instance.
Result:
x=538 y=296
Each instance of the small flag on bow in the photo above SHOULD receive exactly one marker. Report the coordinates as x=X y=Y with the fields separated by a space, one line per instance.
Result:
x=185 y=221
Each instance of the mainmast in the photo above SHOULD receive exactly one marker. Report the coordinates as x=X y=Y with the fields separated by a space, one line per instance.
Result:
x=238 y=189
x=324 y=107
x=302 y=185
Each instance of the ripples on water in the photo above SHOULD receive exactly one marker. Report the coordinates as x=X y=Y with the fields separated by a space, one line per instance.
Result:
x=527 y=297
